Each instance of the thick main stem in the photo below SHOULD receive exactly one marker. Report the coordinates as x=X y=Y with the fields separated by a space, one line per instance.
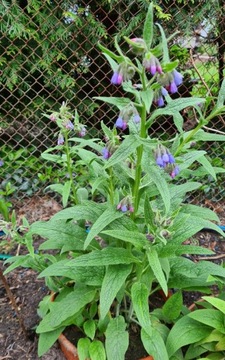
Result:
x=137 y=180
x=70 y=170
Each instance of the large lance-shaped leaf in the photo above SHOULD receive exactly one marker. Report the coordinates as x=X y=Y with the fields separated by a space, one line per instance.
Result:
x=66 y=308
x=104 y=257
x=210 y=317
x=148 y=27
x=89 y=210
x=185 y=331
x=114 y=279
x=139 y=296
x=155 y=175
x=154 y=344
x=127 y=147
x=135 y=238
x=117 y=339
x=107 y=217
x=156 y=267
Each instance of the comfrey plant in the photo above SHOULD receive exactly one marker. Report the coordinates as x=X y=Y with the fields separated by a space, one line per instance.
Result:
x=124 y=239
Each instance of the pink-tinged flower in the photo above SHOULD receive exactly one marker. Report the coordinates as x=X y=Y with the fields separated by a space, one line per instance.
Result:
x=152 y=64
x=52 y=117
x=69 y=125
x=60 y=139
x=82 y=132
x=117 y=78
x=138 y=46
x=120 y=123
x=106 y=154
x=174 y=172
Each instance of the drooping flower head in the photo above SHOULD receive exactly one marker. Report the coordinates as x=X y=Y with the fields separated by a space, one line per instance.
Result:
x=152 y=64
x=138 y=45
x=159 y=96
x=125 y=205
x=170 y=81
x=117 y=78
x=127 y=114
x=124 y=72
x=166 y=160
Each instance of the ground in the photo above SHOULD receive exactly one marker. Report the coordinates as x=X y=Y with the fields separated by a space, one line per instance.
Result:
x=28 y=291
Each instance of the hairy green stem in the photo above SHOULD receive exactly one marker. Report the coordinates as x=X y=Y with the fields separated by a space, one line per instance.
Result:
x=69 y=169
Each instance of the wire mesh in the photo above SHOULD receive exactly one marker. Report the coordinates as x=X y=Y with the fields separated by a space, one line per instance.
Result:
x=49 y=54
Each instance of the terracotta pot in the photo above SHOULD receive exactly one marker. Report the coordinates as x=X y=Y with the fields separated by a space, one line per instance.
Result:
x=68 y=349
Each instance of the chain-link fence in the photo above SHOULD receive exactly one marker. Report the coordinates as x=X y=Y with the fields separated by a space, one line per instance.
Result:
x=49 y=54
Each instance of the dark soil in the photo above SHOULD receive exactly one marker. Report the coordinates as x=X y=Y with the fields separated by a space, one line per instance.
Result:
x=28 y=291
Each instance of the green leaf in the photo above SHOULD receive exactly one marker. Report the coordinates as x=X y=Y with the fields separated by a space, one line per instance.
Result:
x=107 y=217
x=113 y=63
x=155 y=175
x=119 y=102
x=147 y=98
x=166 y=57
x=104 y=257
x=156 y=267
x=221 y=95
x=82 y=194
x=208 y=167
x=140 y=300
x=46 y=340
x=185 y=331
x=88 y=211
x=135 y=238
x=172 y=308
x=89 y=275
x=216 y=302
x=148 y=27
x=175 y=106
x=115 y=277
x=154 y=344
x=97 y=351
x=178 y=121
x=109 y=53
x=126 y=148
x=67 y=307
x=117 y=339
x=205 y=136
x=83 y=348
x=89 y=328
x=66 y=193
x=199 y=211
x=210 y=317
x=61 y=233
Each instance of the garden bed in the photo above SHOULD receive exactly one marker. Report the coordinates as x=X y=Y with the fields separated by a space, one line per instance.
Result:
x=28 y=291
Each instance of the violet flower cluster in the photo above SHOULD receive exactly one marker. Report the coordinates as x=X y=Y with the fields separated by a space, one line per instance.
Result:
x=128 y=113
x=125 y=205
x=169 y=81
x=165 y=160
